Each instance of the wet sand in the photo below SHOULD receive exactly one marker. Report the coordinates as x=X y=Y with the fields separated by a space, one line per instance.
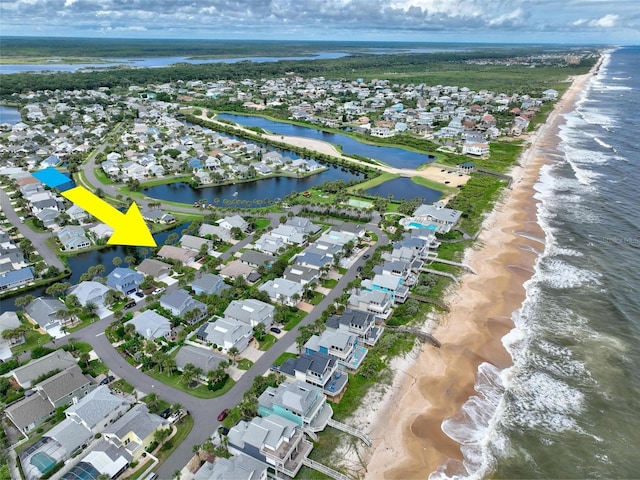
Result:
x=411 y=443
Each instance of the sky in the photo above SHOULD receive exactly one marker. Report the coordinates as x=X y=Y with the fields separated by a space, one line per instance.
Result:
x=500 y=21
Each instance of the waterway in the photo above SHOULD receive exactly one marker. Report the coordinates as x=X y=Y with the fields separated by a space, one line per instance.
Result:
x=9 y=115
x=154 y=62
x=257 y=193
x=393 y=156
x=404 y=189
x=79 y=264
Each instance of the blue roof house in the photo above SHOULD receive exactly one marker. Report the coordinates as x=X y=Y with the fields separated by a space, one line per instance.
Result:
x=124 y=280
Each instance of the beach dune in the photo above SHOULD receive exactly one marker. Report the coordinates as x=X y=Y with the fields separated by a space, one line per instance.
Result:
x=410 y=441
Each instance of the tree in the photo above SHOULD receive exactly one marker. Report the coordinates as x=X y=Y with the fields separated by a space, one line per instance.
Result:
x=24 y=301
x=233 y=351
x=90 y=309
x=117 y=261
x=161 y=435
x=259 y=332
x=130 y=260
x=85 y=358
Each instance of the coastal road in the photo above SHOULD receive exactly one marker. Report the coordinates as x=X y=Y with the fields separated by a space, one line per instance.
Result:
x=38 y=240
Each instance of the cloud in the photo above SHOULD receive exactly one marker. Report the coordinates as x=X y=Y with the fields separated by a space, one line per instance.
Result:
x=608 y=21
x=425 y=20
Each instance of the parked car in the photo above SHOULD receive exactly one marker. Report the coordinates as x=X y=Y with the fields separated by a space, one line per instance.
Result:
x=139 y=294
x=359 y=269
x=223 y=430
x=130 y=304
x=365 y=256
x=223 y=414
x=165 y=413
x=275 y=330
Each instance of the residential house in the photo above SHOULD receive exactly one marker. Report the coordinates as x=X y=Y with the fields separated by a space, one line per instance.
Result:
x=124 y=280
x=313 y=259
x=101 y=230
x=234 y=221
x=251 y=312
x=207 y=230
x=358 y=322
x=179 y=302
x=199 y=357
x=303 y=225
x=283 y=291
x=236 y=268
x=256 y=259
x=377 y=302
x=273 y=440
x=90 y=292
x=30 y=412
x=9 y=321
x=66 y=387
x=443 y=218
x=42 y=311
x=299 y=402
x=73 y=238
x=16 y=278
x=183 y=255
x=290 y=235
x=225 y=333
x=269 y=244
x=56 y=360
x=390 y=284
x=195 y=243
x=97 y=409
x=317 y=369
x=238 y=467
x=155 y=268
x=157 y=216
x=77 y=213
x=135 y=430
x=301 y=275
x=209 y=284
x=151 y=325
x=339 y=344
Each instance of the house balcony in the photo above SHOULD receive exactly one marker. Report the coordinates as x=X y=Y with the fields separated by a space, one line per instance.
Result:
x=356 y=359
x=292 y=466
x=285 y=450
x=335 y=385
x=373 y=335
x=321 y=419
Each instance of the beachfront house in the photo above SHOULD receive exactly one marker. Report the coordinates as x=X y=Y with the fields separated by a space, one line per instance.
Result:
x=360 y=323
x=444 y=219
x=339 y=344
x=373 y=301
x=317 y=369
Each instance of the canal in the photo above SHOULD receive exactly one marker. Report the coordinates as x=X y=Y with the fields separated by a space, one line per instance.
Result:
x=393 y=156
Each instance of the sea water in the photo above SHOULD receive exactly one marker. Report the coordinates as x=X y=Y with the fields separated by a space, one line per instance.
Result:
x=569 y=407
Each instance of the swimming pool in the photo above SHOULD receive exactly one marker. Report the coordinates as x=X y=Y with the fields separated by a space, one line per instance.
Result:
x=420 y=225
x=42 y=462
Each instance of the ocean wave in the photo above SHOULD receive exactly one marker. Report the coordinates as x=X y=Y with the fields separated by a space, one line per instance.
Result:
x=601 y=143
x=559 y=274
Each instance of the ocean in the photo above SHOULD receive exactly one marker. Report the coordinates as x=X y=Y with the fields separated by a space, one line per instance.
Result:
x=569 y=406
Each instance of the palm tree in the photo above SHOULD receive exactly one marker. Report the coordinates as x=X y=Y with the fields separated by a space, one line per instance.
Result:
x=130 y=260
x=117 y=261
x=233 y=351
x=90 y=309
x=85 y=358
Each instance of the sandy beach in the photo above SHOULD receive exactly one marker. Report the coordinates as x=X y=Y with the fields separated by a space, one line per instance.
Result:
x=409 y=440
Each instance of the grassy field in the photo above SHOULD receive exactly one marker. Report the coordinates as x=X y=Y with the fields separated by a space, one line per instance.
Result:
x=267 y=343
x=201 y=391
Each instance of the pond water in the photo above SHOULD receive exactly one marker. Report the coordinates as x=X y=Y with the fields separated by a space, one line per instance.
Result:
x=396 y=157
x=404 y=189
x=80 y=263
x=9 y=115
x=260 y=190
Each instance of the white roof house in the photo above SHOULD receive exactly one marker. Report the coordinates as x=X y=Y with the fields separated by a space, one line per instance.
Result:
x=283 y=291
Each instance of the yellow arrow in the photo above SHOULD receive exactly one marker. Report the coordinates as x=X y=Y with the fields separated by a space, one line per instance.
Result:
x=129 y=228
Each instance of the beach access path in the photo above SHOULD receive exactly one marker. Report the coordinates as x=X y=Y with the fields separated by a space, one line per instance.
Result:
x=409 y=441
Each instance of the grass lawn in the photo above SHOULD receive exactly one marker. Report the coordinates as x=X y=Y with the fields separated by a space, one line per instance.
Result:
x=434 y=185
x=122 y=385
x=342 y=271
x=317 y=298
x=267 y=343
x=284 y=357
x=201 y=391
x=33 y=338
x=96 y=367
x=330 y=283
x=244 y=363
x=373 y=182
x=103 y=177
x=184 y=427
x=294 y=319
x=31 y=224
x=262 y=223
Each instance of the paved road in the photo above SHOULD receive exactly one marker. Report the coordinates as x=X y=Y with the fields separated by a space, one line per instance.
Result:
x=38 y=240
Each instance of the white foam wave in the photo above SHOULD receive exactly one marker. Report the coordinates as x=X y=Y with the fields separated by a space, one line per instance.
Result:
x=621 y=78
x=601 y=143
x=555 y=250
x=561 y=275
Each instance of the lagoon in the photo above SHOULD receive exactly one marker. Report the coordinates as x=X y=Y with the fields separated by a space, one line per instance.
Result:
x=404 y=189
x=393 y=156
x=259 y=190
x=9 y=115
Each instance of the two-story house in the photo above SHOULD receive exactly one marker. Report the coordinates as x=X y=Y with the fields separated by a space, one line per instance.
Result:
x=355 y=321
x=124 y=280
x=179 y=302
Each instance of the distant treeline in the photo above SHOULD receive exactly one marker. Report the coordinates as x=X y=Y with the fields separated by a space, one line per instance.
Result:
x=450 y=68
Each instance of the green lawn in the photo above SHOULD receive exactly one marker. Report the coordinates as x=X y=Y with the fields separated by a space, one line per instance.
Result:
x=184 y=427
x=294 y=319
x=33 y=339
x=103 y=177
x=201 y=391
x=122 y=385
x=244 y=363
x=284 y=357
x=267 y=343
x=262 y=223
x=330 y=283
x=373 y=182
x=96 y=367
x=317 y=298
x=434 y=185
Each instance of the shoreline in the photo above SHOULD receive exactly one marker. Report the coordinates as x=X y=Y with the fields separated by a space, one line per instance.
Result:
x=408 y=427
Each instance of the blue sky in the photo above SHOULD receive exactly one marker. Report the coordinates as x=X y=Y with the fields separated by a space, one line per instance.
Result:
x=510 y=21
